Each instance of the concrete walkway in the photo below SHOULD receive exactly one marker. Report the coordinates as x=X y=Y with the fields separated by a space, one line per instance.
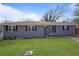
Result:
x=76 y=38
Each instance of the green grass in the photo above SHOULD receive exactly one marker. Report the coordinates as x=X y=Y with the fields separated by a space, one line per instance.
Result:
x=60 y=46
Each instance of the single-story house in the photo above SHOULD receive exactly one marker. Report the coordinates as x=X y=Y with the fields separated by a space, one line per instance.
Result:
x=30 y=29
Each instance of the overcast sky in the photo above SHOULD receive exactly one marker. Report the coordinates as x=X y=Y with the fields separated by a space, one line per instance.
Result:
x=33 y=11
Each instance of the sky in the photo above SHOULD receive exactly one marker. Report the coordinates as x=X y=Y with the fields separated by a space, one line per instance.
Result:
x=30 y=11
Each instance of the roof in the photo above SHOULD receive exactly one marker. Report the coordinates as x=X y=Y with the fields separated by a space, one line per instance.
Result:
x=30 y=23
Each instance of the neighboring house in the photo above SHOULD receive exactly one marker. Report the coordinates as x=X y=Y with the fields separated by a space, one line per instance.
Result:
x=77 y=30
x=30 y=29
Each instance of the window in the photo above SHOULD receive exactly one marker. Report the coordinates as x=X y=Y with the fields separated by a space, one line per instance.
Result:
x=26 y=28
x=15 y=28
x=67 y=28
x=9 y=28
x=54 y=28
x=34 y=28
x=63 y=28
x=6 y=27
x=29 y=28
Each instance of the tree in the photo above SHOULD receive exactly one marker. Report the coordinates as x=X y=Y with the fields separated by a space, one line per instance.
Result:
x=76 y=13
x=54 y=14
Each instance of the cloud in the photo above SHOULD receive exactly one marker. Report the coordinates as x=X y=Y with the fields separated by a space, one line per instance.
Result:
x=64 y=19
x=7 y=12
x=10 y=13
x=34 y=16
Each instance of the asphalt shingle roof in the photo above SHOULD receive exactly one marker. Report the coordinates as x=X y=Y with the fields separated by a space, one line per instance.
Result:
x=30 y=23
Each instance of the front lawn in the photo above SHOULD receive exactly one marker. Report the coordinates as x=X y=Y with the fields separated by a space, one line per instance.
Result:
x=60 y=46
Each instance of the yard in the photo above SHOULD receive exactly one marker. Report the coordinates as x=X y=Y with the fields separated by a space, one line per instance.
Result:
x=55 y=46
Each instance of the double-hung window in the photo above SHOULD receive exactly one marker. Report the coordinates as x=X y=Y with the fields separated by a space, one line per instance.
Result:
x=52 y=28
x=34 y=28
x=65 y=28
x=15 y=28
x=31 y=28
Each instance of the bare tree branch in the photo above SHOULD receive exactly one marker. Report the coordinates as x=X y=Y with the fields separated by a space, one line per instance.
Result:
x=54 y=14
